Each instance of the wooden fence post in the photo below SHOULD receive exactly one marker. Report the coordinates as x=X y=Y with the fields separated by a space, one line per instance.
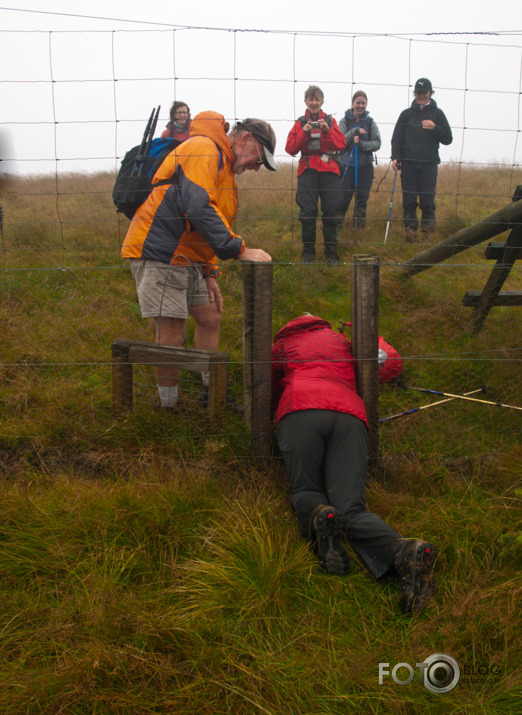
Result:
x=365 y=339
x=257 y=344
x=121 y=378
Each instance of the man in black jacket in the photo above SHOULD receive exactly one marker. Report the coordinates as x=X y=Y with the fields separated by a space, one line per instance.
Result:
x=418 y=133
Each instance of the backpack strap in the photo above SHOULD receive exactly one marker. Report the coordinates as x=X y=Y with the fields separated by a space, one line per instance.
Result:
x=315 y=152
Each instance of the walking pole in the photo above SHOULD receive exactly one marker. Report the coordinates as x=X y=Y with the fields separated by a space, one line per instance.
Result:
x=426 y=407
x=141 y=151
x=149 y=138
x=355 y=206
x=391 y=204
x=348 y=162
x=465 y=397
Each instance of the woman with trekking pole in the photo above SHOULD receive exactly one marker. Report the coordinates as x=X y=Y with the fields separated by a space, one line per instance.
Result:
x=362 y=139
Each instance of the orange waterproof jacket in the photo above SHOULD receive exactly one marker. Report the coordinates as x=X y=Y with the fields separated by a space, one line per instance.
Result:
x=189 y=221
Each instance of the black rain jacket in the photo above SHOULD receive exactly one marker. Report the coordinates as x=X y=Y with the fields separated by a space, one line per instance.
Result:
x=410 y=142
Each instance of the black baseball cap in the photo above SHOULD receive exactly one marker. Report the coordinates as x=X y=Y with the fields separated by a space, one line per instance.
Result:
x=423 y=85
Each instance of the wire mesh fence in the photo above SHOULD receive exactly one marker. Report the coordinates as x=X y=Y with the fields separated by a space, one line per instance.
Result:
x=57 y=386
x=66 y=294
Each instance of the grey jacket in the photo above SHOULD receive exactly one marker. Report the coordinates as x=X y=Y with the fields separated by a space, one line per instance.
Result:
x=348 y=125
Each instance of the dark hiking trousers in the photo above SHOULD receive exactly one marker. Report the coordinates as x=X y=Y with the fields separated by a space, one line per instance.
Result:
x=325 y=453
x=362 y=193
x=418 y=182
x=313 y=186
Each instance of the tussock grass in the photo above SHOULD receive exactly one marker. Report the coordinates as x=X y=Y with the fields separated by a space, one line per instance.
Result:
x=173 y=593
x=149 y=565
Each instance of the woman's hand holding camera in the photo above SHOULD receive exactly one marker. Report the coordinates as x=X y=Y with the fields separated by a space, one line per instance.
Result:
x=323 y=125
x=319 y=124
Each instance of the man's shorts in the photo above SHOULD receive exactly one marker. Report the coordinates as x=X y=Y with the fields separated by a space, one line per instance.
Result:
x=168 y=291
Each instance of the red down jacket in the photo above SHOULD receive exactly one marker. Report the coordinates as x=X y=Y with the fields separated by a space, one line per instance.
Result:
x=312 y=368
x=331 y=141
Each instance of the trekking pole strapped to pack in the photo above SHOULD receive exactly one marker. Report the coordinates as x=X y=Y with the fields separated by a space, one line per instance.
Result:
x=147 y=139
x=134 y=181
x=141 y=153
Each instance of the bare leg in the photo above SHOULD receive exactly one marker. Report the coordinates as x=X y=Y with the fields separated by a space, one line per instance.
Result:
x=169 y=331
x=206 y=336
x=208 y=320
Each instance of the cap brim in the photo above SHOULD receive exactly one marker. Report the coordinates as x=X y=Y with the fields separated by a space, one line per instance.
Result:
x=269 y=160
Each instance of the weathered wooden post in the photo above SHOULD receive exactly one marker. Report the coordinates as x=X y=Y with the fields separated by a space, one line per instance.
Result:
x=365 y=339
x=121 y=377
x=257 y=343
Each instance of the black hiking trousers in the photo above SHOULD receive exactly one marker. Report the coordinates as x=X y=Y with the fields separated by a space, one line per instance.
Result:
x=418 y=182
x=314 y=186
x=325 y=453
x=361 y=191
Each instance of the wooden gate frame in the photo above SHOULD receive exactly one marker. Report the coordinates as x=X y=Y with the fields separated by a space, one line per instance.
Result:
x=492 y=294
x=126 y=353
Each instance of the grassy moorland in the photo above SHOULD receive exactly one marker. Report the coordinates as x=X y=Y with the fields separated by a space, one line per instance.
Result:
x=150 y=565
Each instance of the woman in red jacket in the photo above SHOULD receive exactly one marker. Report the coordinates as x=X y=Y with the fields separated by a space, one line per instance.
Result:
x=319 y=139
x=179 y=124
x=322 y=433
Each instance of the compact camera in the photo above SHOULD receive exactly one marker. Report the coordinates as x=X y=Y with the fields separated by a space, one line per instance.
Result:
x=315 y=125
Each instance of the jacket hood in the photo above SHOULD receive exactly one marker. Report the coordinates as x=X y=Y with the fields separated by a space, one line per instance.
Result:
x=302 y=323
x=212 y=124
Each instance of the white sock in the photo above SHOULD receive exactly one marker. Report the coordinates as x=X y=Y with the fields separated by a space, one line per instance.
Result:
x=205 y=377
x=168 y=395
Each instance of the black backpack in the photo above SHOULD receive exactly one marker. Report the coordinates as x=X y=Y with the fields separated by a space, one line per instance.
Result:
x=134 y=181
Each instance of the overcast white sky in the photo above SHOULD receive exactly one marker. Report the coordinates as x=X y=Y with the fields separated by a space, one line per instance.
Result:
x=80 y=89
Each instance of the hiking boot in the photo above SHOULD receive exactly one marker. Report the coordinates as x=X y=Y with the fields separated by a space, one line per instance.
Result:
x=203 y=397
x=359 y=220
x=307 y=257
x=178 y=408
x=415 y=563
x=411 y=235
x=230 y=403
x=329 y=541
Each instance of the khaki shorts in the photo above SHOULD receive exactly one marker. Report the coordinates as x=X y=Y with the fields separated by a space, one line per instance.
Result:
x=166 y=290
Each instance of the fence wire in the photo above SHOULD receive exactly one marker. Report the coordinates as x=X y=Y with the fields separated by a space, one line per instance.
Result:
x=66 y=294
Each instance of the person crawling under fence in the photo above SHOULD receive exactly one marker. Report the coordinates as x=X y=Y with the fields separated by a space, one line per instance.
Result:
x=323 y=437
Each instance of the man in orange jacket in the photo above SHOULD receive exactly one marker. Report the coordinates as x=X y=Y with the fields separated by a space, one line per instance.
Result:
x=177 y=235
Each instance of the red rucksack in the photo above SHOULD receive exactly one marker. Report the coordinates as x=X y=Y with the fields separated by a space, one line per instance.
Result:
x=390 y=362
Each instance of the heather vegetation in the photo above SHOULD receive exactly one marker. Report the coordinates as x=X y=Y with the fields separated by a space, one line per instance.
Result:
x=152 y=565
